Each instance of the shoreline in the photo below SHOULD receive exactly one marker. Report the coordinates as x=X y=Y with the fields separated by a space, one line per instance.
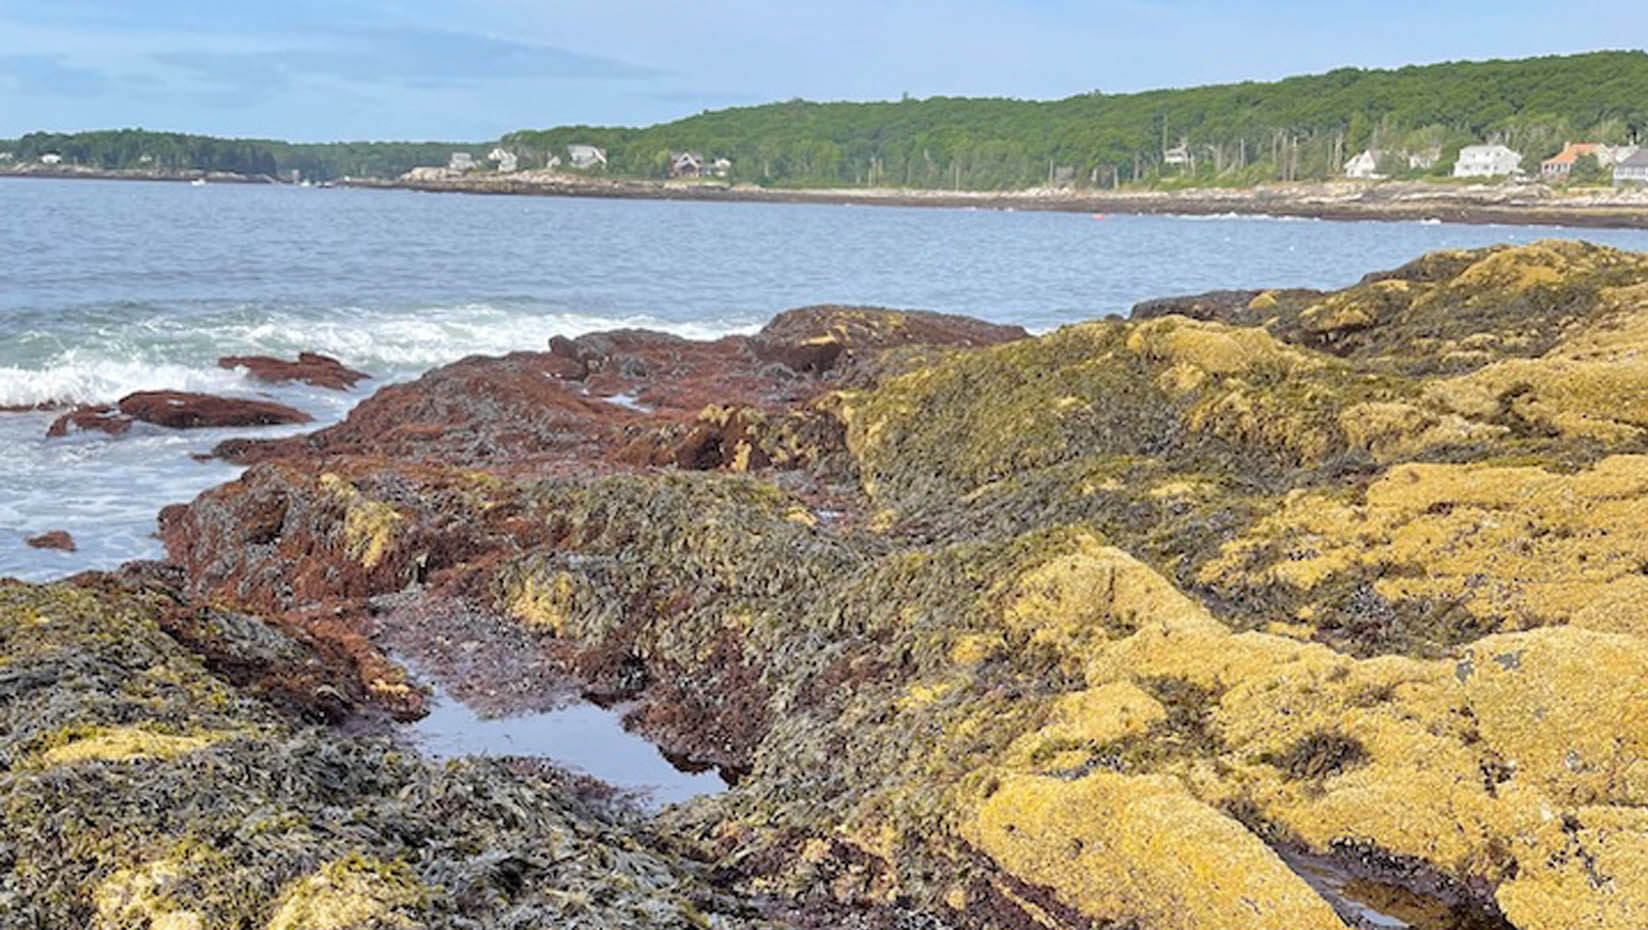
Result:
x=1340 y=201
x=83 y=173
x=1522 y=205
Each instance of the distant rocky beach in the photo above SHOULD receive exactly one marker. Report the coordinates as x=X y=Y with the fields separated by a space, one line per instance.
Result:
x=1272 y=608
x=1520 y=204
x=1391 y=201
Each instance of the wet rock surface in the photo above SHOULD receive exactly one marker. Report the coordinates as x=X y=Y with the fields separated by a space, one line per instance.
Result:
x=175 y=410
x=100 y=417
x=310 y=368
x=183 y=410
x=1282 y=609
x=55 y=539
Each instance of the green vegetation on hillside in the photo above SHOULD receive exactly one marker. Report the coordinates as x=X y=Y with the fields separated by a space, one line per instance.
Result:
x=172 y=151
x=1299 y=128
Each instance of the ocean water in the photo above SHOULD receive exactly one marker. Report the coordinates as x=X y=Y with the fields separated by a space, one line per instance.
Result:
x=109 y=287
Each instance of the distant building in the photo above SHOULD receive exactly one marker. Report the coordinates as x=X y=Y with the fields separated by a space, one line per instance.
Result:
x=553 y=162
x=1177 y=155
x=1561 y=164
x=1486 y=161
x=1611 y=155
x=51 y=158
x=504 y=158
x=1633 y=170
x=461 y=161
x=1364 y=165
x=686 y=165
x=6 y=156
x=721 y=167
x=586 y=156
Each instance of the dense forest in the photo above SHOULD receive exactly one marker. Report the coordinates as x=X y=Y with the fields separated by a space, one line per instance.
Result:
x=1233 y=134
x=170 y=151
x=1298 y=128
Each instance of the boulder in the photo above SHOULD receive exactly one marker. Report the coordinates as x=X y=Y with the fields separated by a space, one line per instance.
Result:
x=310 y=368
x=102 y=418
x=56 y=539
x=181 y=410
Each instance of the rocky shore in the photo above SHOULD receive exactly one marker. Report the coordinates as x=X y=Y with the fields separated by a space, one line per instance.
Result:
x=1515 y=204
x=1260 y=609
x=60 y=171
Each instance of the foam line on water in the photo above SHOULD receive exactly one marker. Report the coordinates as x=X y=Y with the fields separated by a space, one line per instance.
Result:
x=104 y=361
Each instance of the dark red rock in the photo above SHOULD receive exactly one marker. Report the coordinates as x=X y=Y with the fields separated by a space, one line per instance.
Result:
x=180 y=410
x=101 y=417
x=56 y=539
x=529 y=409
x=310 y=368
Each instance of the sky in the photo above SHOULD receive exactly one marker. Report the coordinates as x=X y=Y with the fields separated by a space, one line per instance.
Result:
x=321 y=70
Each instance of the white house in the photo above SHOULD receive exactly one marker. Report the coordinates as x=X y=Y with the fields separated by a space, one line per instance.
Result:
x=1364 y=165
x=461 y=161
x=1610 y=155
x=1177 y=155
x=51 y=158
x=586 y=156
x=1486 y=161
x=506 y=160
x=721 y=167
x=1633 y=170
x=554 y=161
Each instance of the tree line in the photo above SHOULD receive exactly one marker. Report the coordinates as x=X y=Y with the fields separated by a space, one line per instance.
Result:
x=1299 y=128
x=1293 y=129
x=170 y=151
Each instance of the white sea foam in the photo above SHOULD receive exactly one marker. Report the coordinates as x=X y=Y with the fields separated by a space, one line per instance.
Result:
x=108 y=361
x=86 y=377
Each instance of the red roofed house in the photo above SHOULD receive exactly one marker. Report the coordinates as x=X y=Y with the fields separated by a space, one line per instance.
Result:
x=1557 y=166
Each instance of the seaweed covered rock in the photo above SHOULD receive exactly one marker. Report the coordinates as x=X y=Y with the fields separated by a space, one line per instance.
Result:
x=1450 y=551
x=587 y=398
x=1449 y=311
x=311 y=368
x=183 y=410
x=172 y=800
x=1001 y=632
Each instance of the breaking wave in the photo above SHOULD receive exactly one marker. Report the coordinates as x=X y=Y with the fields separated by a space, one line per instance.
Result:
x=104 y=358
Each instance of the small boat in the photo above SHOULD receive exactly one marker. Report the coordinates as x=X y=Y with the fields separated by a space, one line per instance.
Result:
x=198 y=182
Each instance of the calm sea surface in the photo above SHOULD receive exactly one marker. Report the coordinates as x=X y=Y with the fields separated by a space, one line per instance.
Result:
x=112 y=287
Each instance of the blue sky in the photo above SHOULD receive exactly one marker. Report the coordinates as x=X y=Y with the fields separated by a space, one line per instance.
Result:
x=471 y=70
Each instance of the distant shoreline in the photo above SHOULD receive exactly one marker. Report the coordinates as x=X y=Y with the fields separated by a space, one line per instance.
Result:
x=83 y=173
x=1391 y=201
x=1522 y=205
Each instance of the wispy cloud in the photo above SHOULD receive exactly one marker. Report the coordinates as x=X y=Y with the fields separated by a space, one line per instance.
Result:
x=402 y=57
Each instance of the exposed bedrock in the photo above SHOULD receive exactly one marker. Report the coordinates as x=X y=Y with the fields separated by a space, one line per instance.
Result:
x=176 y=410
x=1111 y=627
x=310 y=368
